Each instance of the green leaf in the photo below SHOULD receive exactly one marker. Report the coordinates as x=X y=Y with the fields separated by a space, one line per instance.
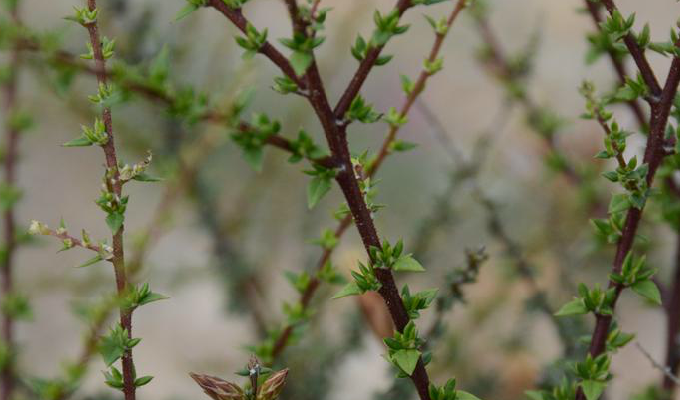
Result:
x=143 y=380
x=574 y=307
x=406 y=359
x=255 y=157
x=151 y=297
x=91 y=261
x=300 y=61
x=536 y=395
x=144 y=177
x=407 y=263
x=82 y=141
x=463 y=395
x=111 y=350
x=351 y=289
x=648 y=290
x=592 y=389
x=115 y=221
x=619 y=203
x=188 y=9
x=317 y=188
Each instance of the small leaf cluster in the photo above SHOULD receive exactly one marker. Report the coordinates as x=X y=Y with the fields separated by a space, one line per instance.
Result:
x=444 y=392
x=565 y=391
x=299 y=281
x=302 y=46
x=632 y=89
x=596 y=300
x=113 y=205
x=360 y=110
x=329 y=274
x=386 y=26
x=19 y=121
x=191 y=6
x=667 y=48
x=95 y=135
x=16 y=306
x=601 y=44
x=253 y=139
x=636 y=275
x=394 y=118
x=304 y=147
x=296 y=313
x=618 y=339
x=105 y=97
x=108 y=47
x=253 y=40
x=362 y=47
x=364 y=281
x=403 y=350
x=113 y=347
x=448 y=392
x=285 y=85
x=392 y=257
x=631 y=176
x=321 y=183
x=84 y=16
x=57 y=388
x=440 y=26
x=414 y=303
x=328 y=240
x=610 y=230
x=594 y=375
x=617 y=26
x=139 y=296
x=367 y=185
x=9 y=196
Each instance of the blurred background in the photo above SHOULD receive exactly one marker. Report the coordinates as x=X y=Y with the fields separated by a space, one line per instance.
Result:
x=230 y=232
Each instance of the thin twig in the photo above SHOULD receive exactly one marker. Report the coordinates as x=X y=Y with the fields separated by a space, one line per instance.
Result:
x=666 y=371
x=639 y=57
x=115 y=186
x=619 y=67
x=364 y=69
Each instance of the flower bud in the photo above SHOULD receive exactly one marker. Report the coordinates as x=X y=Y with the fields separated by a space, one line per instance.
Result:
x=218 y=389
x=272 y=387
x=38 y=228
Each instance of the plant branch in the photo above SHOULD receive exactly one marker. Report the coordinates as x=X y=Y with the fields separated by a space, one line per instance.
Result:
x=639 y=57
x=7 y=375
x=500 y=66
x=363 y=70
x=152 y=93
x=307 y=295
x=418 y=87
x=671 y=306
x=619 y=67
x=654 y=154
x=348 y=182
x=674 y=380
x=237 y=18
x=116 y=186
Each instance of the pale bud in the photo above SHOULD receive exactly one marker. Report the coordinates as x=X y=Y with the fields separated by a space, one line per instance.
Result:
x=272 y=387
x=38 y=228
x=218 y=389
